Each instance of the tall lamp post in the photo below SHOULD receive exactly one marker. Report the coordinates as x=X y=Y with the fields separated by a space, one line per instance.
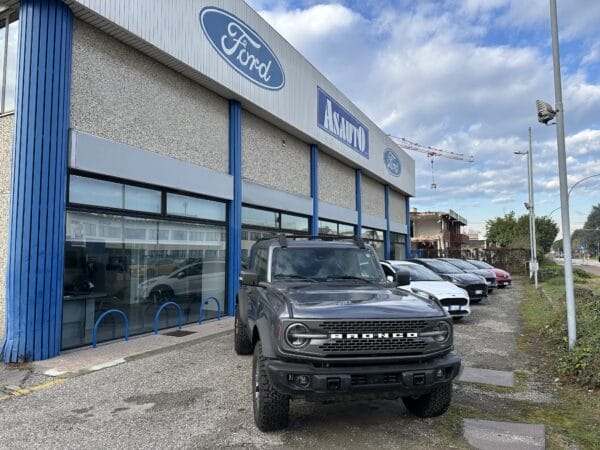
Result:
x=533 y=264
x=545 y=114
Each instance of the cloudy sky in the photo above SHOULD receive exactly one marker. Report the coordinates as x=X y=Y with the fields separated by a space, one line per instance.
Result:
x=463 y=76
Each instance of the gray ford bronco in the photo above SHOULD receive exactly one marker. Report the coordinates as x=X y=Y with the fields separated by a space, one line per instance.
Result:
x=324 y=323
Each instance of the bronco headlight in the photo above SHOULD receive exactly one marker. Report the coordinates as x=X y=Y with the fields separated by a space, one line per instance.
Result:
x=442 y=331
x=295 y=335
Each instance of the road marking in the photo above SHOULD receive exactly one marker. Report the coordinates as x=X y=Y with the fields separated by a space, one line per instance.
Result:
x=29 y=390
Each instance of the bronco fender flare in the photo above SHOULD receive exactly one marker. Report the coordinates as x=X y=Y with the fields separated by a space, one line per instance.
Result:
x=264 y=332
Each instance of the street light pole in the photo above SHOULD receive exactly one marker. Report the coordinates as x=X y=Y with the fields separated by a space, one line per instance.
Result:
x=562 y=177
x=532 y=213
x=533 y=266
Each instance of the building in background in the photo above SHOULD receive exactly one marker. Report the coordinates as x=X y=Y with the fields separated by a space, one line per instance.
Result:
x=436 y=234
x=149 y=143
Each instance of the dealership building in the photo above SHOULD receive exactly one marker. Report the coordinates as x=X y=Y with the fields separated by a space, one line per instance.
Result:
x=146 y=144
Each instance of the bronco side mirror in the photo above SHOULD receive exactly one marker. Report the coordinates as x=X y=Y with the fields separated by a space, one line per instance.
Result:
x=248 y=278
x=402 y=278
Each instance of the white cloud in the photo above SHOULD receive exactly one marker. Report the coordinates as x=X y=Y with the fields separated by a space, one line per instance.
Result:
x=439 y=73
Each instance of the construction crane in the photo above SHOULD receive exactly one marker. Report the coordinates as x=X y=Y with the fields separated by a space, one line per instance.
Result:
x=431 y=153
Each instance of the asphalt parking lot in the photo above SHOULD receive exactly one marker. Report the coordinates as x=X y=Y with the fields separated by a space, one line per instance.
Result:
x=199 y=397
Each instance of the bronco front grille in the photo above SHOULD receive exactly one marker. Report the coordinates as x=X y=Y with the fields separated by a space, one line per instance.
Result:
x=373 y=326
x=374 y=345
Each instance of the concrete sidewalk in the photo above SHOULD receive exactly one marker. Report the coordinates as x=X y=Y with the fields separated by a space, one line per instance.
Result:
x=88 y=359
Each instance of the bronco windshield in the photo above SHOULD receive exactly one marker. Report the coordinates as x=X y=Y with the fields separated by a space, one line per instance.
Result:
x=325 y=264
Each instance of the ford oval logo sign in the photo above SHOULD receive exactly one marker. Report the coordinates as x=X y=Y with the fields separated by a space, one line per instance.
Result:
x=392 y=162
x=242 y=48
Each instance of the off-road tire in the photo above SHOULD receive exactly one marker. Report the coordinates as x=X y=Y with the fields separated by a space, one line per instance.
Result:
x=271 y=408
x=432 y=404
x=242 y=342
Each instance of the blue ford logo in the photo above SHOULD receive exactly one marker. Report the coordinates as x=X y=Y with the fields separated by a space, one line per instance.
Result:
x=392 y=162
x=242 y=48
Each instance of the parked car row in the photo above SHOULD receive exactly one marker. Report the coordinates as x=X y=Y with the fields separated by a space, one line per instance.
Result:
x=454 y=283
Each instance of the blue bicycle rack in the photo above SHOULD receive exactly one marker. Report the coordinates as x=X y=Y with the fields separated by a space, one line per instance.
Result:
x=205 y=302
x=163 y=306
x=102 y=316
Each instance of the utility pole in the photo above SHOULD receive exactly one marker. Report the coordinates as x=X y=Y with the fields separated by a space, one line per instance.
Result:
x=562 y=176
x=534 y=261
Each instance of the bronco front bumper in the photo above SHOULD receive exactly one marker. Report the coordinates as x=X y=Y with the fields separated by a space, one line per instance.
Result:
x=306 y=380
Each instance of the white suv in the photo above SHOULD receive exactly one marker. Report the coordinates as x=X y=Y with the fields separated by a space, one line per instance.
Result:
x=425 y=282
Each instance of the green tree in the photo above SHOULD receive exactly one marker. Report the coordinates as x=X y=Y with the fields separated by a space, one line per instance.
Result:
x=545 y=232
x=501 y=230
x=512 y=232
x=590 y=234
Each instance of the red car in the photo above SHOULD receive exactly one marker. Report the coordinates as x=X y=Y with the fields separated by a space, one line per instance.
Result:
x=503 y=278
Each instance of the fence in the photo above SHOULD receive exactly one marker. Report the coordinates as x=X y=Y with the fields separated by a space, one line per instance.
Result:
x=513 y=260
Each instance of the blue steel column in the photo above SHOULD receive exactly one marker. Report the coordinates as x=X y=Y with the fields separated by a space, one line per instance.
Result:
x=34 y=280
x=386 y=243
x=314 y=189
x=358 y=191
x=407 y=245
x=234 y=225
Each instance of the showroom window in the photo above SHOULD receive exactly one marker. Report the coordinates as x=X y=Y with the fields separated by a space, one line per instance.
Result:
x=9 y=47
x=337 y=228
x=397 y=246
x=138 y=259
x=376 y=239
x=258 y=223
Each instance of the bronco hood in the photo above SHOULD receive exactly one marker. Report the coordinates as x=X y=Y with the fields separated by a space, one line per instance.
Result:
x=331 y=301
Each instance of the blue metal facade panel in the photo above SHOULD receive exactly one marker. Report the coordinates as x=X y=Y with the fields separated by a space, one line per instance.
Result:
x=407 y=245
x=234 y=225
x=386 y=190
x=38 y=186
x=314 y=189
x=358 y=202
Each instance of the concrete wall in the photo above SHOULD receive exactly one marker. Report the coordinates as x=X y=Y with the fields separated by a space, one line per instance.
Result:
x=373 y=197
x=6 y=135
x=397 y=207
x=273 y=158
x=118 y=93
x=427 y=227
x=337 y=182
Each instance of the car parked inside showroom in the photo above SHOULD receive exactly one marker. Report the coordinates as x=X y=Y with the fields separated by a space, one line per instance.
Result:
x=489 y=275
x=427 y=283
x=503 y=278
x=474 y=284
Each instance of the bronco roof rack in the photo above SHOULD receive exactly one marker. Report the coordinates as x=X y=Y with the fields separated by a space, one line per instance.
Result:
x=282 y=238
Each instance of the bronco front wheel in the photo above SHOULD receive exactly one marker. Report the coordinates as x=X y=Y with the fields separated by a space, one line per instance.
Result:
x=271 y=408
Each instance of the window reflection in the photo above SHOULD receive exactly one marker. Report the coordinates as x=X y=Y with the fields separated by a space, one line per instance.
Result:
x=182 y=205
x=260 y=217
x=136 y=265
x=331 y=227
x=141 y=199
x=87 y=191
x=8 y=60
x=397 y=246
x=293 y=222
x=375 y=238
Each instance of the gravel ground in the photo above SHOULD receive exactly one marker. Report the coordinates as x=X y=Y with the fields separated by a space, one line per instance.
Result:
x=199 y=397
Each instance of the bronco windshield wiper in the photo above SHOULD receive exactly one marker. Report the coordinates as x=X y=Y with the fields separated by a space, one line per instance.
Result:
x=293 y=275
x=350 y=277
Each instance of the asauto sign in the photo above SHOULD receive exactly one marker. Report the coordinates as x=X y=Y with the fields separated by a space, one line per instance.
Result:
x=242 y=48
x=337 y=121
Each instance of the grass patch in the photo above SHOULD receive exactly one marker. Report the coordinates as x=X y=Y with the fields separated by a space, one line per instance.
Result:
x=577 y=417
